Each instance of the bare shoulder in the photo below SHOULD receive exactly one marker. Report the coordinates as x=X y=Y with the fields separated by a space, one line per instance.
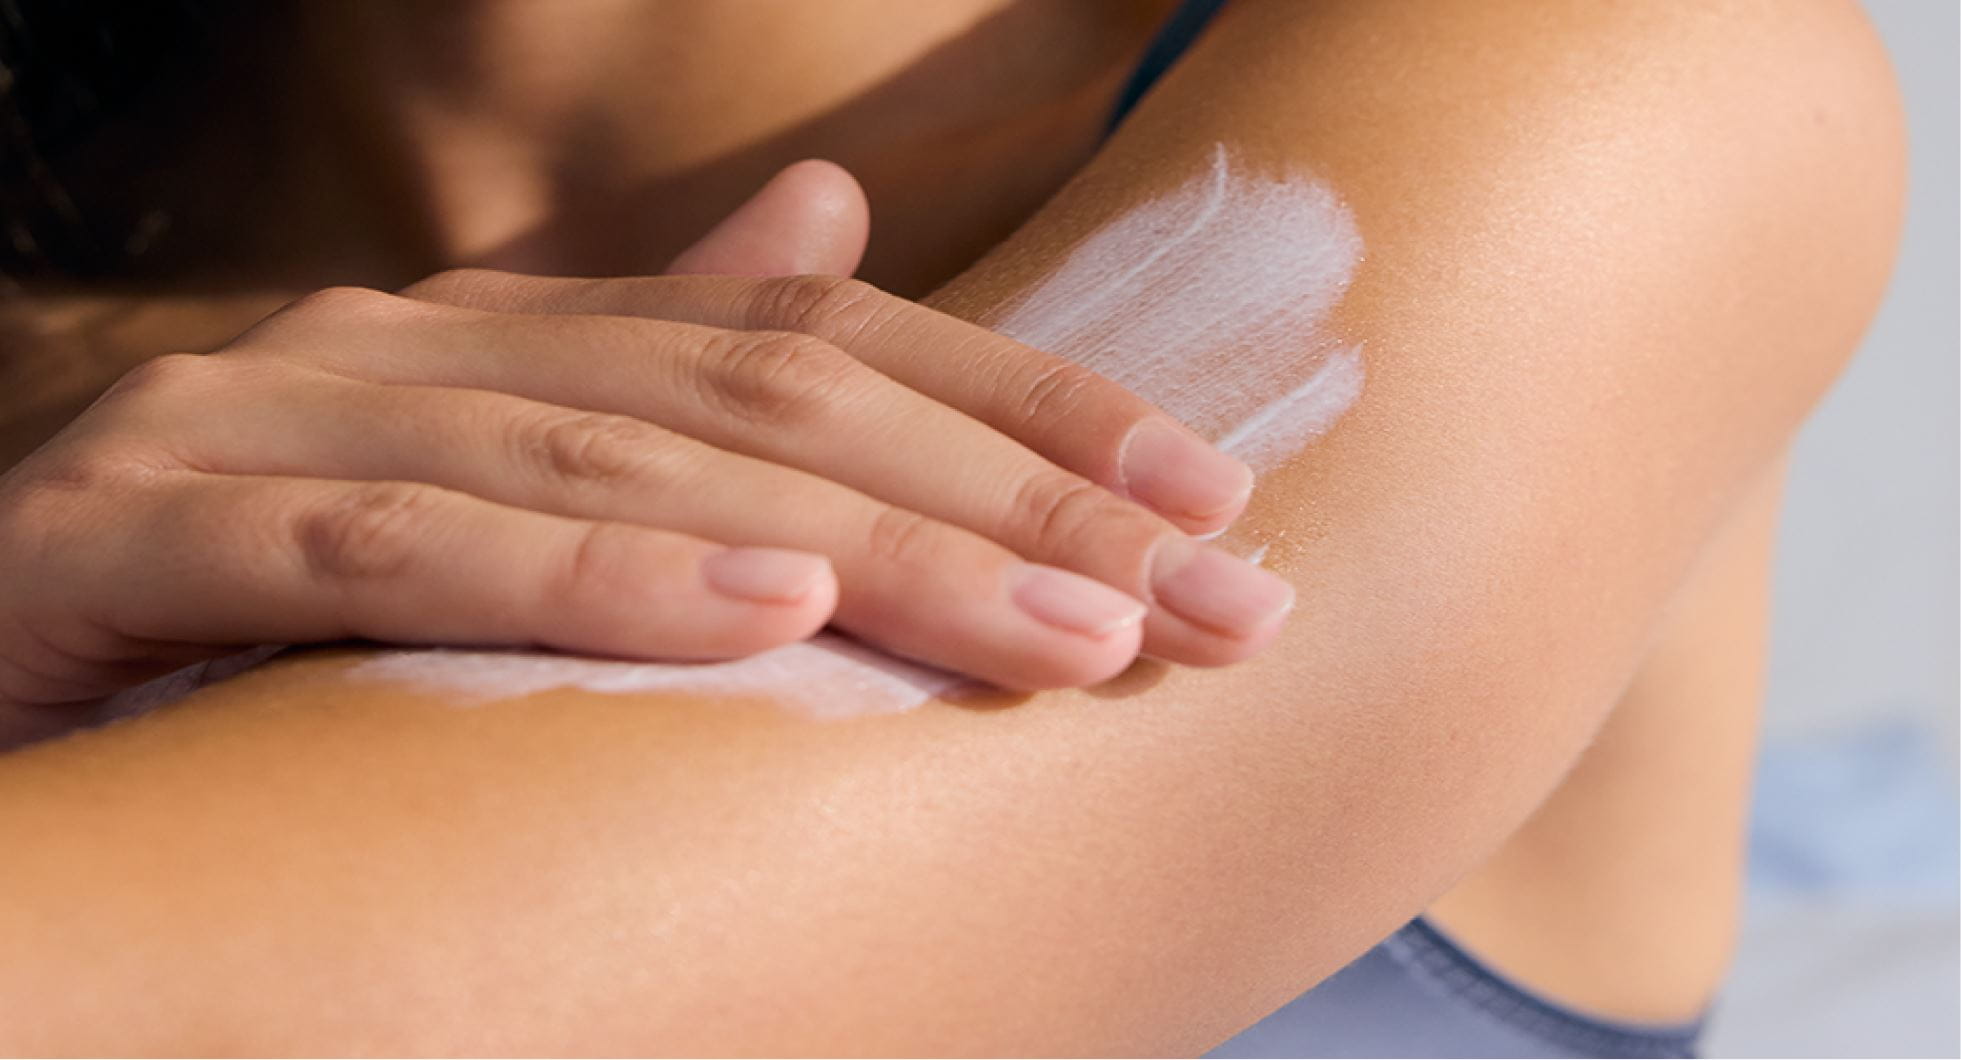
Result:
x=1768 y=111
x=1616 y=175
x=1815 y=64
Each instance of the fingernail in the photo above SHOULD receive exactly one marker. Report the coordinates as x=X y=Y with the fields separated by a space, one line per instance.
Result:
x=1178 y=474
x=1071 y=602
x=765 y=575
x=1217 y=590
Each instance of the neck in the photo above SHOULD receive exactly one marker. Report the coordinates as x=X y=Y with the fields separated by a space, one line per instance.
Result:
x=492 y=122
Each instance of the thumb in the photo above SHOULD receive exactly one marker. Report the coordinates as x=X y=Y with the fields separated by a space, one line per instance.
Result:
x=810 y=218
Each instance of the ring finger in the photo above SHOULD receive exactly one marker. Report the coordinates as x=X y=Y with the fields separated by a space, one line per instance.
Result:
x=912 y=585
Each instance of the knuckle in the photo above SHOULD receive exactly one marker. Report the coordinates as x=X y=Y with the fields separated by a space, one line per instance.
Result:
x=606 y=558
x=306 y=320
x=57 y=493
x=1058 y=514
x=774 y=376
x=180 y=387
x=903 y=538
x=340 y=303
x=87 y=467
x=169 y=376
x=465 y=287
x=330 y=308
x=1055 y=394
x=596 y=448
x=371 y=533
x=837 y=308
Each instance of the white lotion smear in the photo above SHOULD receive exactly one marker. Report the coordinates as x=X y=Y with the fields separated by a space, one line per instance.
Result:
x=1209 y=302
x=827 y=676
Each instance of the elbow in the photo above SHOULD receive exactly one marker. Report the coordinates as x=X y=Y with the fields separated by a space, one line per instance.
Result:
x=1819 y=173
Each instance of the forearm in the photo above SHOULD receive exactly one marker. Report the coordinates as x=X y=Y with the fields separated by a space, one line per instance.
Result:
x=1566 y=387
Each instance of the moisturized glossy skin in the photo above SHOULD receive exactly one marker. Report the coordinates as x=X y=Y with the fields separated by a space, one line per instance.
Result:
x=1614 y=254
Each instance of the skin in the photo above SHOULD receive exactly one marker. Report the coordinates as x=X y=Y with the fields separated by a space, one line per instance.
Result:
x=367 y=436
x=1532 y=553
x=596 y=443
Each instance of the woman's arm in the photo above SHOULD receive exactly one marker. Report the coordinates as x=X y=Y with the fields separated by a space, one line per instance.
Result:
x=1611 y=254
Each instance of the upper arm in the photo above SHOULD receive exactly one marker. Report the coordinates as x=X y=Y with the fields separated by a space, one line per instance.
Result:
x=1609 y=255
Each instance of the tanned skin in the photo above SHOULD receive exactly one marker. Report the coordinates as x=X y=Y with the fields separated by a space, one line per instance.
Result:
x=1615 y=253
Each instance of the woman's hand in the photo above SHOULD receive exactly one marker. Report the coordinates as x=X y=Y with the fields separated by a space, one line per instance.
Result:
x=682 y=467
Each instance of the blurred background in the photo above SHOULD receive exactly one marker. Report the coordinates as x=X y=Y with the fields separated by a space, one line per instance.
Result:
x=1850 y=937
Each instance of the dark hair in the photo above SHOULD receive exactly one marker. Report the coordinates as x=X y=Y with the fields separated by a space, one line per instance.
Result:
x=92 y=96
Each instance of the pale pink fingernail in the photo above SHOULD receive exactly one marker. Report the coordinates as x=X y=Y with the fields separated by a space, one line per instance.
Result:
x=1071 y=602
x=765 y=575
x=1217 y=590
x=1176 y=473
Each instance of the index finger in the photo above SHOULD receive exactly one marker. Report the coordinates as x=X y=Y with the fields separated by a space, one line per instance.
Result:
x=1074 y=417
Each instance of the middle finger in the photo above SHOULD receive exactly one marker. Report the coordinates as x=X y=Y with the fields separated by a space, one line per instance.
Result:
x=795 y=400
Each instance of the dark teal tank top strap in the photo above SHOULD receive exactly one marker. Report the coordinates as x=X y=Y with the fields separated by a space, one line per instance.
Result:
x=1177 y=34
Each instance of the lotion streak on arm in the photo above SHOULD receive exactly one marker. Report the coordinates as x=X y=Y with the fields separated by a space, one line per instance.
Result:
x=1212 y=302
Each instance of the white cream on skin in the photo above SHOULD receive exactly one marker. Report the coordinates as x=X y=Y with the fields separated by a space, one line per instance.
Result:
x=1210 y=302
x=827 y=676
